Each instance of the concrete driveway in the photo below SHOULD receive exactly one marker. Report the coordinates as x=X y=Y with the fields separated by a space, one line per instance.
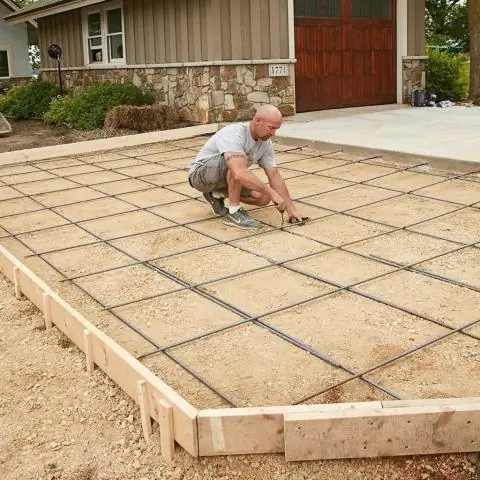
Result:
x=451 y=133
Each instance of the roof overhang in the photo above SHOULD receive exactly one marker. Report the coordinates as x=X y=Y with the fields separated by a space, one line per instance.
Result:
x=58 y=7
x=15 y=8
x=11 y=5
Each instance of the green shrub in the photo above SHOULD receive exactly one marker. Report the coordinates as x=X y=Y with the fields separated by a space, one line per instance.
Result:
x=58 y=111
x=30 y=100
x=447 y=76
x=87 y=110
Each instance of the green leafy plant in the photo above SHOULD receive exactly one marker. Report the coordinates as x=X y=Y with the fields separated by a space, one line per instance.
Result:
x=30 y=100
x=58 y=111
x=87 y=110
x=447 y=75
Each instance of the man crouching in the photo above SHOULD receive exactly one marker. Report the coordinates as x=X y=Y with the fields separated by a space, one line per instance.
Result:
x=221 y=170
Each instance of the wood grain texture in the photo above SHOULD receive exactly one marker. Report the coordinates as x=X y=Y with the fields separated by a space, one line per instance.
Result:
x=382 y=432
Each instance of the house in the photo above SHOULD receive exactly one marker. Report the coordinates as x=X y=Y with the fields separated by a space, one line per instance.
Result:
x=217 y=60
x=14 y=44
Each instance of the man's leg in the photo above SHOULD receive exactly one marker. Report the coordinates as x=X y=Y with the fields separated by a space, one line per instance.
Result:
x=252 y=197
x=237 y=217
x=211 y=179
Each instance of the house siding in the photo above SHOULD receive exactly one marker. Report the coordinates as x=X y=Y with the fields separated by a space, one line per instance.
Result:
x=416 y=27
x=180 y=31
x=15 y=37
x=64 y=29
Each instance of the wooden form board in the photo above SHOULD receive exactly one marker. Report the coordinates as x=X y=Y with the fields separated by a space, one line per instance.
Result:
x=116 y=362
x=253 y=430
x=382 y=432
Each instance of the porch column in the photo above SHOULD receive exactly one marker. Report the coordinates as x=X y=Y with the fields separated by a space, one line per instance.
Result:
x=291 y=29
x=402 y=44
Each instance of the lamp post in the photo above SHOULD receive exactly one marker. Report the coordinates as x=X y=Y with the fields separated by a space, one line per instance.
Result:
x=55 y=52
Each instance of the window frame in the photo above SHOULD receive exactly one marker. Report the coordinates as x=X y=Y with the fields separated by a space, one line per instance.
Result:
x=316 y=17
x=8 y=49
x=105 y=62
x=389 y=17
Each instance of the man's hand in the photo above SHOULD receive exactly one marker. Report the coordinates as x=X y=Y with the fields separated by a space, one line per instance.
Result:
x=278 y=201
x=295 y=217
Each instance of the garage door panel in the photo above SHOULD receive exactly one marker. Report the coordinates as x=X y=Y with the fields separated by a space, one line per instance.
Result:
x=348 y=60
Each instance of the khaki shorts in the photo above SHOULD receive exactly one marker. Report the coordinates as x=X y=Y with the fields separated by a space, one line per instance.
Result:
x=212 y=177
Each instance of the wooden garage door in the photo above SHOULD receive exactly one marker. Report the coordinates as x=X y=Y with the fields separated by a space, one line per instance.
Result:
x=346 y=53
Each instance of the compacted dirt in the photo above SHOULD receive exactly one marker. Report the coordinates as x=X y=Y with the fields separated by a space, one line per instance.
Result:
x=58 y=423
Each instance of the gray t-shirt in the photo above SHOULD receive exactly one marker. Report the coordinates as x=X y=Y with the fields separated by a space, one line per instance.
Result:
x=237 y=138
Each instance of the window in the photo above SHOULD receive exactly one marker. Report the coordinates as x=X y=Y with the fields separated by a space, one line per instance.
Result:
x=373 y=9
x=4 y=67
x=104 y=36
x=317 y=8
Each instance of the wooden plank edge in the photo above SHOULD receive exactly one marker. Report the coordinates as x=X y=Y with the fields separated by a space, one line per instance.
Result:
x=114 y=143
x=243 y=431
x=382 y=432
x=105 y=350
x=426 y=402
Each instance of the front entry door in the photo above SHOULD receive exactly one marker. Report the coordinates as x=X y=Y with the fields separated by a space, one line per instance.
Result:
x=346 y=53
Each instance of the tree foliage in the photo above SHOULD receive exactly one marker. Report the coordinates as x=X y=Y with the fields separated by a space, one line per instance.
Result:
x=447 y=23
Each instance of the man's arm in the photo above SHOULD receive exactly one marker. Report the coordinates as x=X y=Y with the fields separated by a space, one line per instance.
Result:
x=278 y=184
x=238 y=166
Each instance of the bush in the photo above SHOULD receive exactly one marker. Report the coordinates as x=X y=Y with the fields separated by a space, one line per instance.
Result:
x=447 y=76
x=58 y=111
x=30 y=100
x=88 y=109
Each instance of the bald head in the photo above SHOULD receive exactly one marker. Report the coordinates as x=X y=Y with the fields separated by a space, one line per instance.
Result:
x=266 y=121
x=269 y=113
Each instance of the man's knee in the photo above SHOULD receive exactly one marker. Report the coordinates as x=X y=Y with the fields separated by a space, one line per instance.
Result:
x=256 y=198
x=263 y=201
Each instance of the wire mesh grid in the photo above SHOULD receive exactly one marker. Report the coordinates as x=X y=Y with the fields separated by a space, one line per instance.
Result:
x=267 y=296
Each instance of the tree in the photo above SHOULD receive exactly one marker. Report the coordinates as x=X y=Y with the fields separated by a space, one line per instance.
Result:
x=474 y=27
x=446 y=21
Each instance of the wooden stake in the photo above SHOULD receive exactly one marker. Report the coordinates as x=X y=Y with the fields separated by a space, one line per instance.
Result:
x=167 y=434
x=47 y=311
x=16 y=279
x=87 y=336
x=144 y=409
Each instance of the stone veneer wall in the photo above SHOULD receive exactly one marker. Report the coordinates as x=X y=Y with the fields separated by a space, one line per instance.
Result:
x=413 y=76
x=8 y=82
x=205 y=94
